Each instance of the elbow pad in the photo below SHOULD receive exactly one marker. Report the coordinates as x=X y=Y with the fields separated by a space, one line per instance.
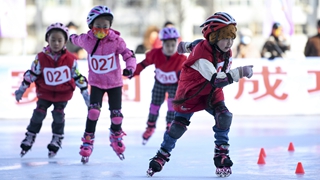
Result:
x=29 y=77
x=220 y=82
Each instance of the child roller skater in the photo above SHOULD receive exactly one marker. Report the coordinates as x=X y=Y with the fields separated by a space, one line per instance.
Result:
x=168 y=64
x=55 y=74
x=104 y=45
x=203 y=76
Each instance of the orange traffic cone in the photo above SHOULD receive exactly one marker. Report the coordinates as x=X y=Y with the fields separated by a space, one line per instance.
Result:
x=291 y=148
x=262 y=152
x=299 y=169
x=261 y=159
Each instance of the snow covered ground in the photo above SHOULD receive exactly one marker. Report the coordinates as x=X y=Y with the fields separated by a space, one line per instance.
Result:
x=191 y=159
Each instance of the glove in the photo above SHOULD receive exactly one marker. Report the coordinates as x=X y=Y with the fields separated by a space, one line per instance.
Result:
x=19 y=93
x=86 y=97
x=183 y=47
x=128 y=73
x=187 y=47
x=246 y=71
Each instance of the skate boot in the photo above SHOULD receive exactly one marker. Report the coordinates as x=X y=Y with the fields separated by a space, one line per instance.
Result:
x=149 y=131
x=117 y=143
x=27 y=143
x=55 y=145
x=157 y=162
x=87 y=147
x=222 y=160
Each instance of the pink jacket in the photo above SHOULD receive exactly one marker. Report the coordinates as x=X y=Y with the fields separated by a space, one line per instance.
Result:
x=104 y=65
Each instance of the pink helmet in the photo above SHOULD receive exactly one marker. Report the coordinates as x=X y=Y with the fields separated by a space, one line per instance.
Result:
x=168 y=33
x=57 y=26
x=97 y=11
x=215 y=22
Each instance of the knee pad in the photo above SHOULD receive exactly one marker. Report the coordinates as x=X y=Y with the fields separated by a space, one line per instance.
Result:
x=170 y=105
x=38 y=115
x=116 y=116
x=58 y=115
x=178 y=127
x=154 y=109
x=94 y=111
x=223 y=117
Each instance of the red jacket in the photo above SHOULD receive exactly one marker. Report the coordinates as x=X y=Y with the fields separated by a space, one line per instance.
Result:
x=191 y=81
x=55 y=83
x=163 y=65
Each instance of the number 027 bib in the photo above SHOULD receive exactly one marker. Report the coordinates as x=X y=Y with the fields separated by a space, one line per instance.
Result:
x=103 y=64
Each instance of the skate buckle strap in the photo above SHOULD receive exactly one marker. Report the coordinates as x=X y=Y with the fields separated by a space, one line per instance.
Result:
x=117 y=135
x=163 y=155
x=29 y=138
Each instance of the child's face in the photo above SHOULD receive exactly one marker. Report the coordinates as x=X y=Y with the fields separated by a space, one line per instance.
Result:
x=101 y=22
x=169 y=47
x=56 y=41
x=101 y=27
x=225 y=44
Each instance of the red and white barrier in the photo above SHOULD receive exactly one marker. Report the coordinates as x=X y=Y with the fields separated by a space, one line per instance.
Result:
x=279 y=87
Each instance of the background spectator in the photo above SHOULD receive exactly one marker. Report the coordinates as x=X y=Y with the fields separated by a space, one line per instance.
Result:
x=149 y=38
x=76 y=50
x=245 y=49
x=276 y=45
x=312 y=47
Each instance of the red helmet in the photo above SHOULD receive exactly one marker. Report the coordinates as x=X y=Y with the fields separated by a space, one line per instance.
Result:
x=215 y=22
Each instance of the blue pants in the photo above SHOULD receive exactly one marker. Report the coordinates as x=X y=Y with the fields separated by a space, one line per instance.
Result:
x=220 y=135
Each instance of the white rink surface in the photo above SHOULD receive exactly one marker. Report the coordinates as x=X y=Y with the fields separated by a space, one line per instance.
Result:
x=191 y=159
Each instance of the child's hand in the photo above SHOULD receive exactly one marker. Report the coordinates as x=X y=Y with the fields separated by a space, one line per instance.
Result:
x=128 y=73
x=246 y=71
x=19 y=93
x=183 y=47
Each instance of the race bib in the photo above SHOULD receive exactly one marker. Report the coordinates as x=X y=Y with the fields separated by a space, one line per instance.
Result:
x=56 y=76
x=103 y=64
x=166 y=77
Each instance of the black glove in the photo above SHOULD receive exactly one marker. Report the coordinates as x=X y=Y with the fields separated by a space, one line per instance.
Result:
x=128 y=73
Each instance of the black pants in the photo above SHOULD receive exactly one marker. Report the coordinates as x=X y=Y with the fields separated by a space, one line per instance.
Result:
x=40 y=113
x=96 y=96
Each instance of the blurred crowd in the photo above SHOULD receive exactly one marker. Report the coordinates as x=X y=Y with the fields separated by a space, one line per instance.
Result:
x=276 y=45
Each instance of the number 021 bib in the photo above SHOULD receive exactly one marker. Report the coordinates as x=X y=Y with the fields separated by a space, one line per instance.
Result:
x=56 y=76
x=103 y=64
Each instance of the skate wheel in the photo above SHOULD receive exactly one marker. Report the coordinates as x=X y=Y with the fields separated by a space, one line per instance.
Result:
x=84 y=160
x=223 y=172
x=150 y=172
x=121 y=156
x=144 y=142
x=51 y=154
x=23 y=153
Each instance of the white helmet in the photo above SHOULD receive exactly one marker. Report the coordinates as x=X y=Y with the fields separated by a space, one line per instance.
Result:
x=98 y=11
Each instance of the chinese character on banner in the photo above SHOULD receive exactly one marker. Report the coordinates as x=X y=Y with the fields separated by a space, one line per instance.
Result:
x=270 y=89
x=30 y=95
x=317 y=88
